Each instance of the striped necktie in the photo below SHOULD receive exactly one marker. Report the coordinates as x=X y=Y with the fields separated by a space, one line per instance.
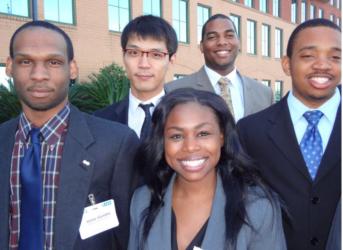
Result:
x=226 y=93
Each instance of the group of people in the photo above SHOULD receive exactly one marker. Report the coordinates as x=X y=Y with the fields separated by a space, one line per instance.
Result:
x=203 y=162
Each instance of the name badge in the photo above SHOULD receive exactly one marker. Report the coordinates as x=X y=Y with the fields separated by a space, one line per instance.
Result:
x=98 y=218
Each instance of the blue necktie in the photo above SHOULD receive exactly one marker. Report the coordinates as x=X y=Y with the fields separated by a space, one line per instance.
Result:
x=31 y=205
x=311 y=144
x=147 y=120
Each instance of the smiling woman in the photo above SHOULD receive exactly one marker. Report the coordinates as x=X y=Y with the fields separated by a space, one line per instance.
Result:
x=202 y=189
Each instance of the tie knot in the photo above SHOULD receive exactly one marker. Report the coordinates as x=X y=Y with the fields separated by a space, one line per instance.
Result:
x=146 y=107
x=223 y=82
x=34 y=134
x=313 y=117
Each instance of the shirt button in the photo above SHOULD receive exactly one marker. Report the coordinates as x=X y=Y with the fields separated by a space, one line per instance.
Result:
x=314 y=241
x=315 y=200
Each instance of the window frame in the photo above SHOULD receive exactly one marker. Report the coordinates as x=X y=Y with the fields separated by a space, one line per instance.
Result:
x=278 y=97
x=129 y=17
x=209 y=15
x=268 y=39
x=187 y=23
x=73 y=4
x=161 y=8
x=239 y=28
x=255 y=37
x=281 y=43
x=278 y=8
x=267 y=6
x=29 y=11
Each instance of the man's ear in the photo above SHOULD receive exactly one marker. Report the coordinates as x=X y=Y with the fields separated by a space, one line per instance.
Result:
x=201 y=47
x=74 y=70
x=9 y=67
x=286 y=65
x=172 y=58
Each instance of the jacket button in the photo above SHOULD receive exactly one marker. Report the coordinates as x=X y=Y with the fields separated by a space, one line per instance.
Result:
x=314 y=241
x=315 y=200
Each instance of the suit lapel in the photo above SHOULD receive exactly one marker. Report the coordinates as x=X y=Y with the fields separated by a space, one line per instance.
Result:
x=332 y=154
x=202 y=81
x=122 y=110
x=282 y=135
x=76 y=171
x=215 y=231
x=7 y=136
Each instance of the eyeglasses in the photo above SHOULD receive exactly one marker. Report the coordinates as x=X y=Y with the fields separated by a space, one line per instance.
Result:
x=153 y=54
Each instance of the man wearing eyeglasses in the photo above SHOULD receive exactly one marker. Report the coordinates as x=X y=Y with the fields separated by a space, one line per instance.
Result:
x=149 y=45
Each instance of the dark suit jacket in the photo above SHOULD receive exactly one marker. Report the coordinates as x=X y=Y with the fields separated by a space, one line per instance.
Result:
x=269 y=137
x=117 y=112
x=256 y=95
x=109 y=147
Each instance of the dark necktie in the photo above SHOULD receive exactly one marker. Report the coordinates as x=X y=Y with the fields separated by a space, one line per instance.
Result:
x=31 y=205
x=147 y=120
x=311 y=143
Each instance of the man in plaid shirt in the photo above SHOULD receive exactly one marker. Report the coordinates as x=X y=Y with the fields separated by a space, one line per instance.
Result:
x=84 y=160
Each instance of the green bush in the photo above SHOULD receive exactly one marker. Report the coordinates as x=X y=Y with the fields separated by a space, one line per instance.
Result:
x=104 y=88
x=108 y=86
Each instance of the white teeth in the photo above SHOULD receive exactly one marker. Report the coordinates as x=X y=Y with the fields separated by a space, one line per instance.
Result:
x=193 y=163
x=320 y=80
x=222 y=52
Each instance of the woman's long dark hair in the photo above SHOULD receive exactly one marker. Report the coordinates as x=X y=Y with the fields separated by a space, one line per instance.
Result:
x=235 y=167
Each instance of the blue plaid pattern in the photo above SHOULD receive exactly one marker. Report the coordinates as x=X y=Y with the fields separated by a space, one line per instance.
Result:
x=53 y=135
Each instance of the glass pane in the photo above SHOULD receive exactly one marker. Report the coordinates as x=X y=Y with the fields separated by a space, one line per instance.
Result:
x=124 y=4
x=51 y=10
x=156 y=8
x=183 y=32
x=183 y=11
x=66 y=11
x=3 y=77
x=146 y=7
x=176 y=13
x=113 y=18
x=124 y=18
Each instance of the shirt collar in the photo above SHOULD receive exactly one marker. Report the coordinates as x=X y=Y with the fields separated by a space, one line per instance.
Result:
x=51 y=131
x=329 y=108
x=214 y=76
x=134 y=101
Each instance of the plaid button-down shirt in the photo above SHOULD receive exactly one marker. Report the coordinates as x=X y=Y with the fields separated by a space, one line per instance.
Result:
x=52 y=140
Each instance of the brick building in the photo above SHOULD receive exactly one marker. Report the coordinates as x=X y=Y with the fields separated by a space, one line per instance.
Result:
x=94 y=27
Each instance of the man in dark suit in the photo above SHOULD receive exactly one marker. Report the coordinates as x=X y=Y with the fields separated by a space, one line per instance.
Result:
x=220 y=46
x=149 y=45
x=297 y=142
x=78 y=160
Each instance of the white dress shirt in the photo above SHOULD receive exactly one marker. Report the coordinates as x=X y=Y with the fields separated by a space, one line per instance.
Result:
x=136 y=114
x=236 y=89
x=326 y=123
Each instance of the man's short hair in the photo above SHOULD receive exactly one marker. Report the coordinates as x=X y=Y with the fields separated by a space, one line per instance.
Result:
x=46 y=25
x=317 y=22
x=151 y=26
x=214 y=17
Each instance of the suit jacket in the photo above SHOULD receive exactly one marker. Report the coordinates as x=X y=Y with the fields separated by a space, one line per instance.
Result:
x=256 y=96
x=117 y=112
x=335 y=236
x=109 y=147
x=265 y=219
x=269 y=137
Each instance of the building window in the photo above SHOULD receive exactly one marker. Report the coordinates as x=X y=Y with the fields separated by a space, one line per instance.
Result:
x=278 y=43
x=266 y=82
x=237 y=22
x=264 y=6
x=3 y=77
x=203 y=14
x=15 y=7
x=332 y=18
x=180 y=19
x=338 y=21
x=152 y=7
x=312 y=11
x=59 y=11
x=276 y=8
x=294 y=11
x=338 y=4
x=278 y=91
x=265 y=40
x=303 y=11
x=118 y=14
x=251 y=37
x=320 y=13
x=331 y=2
x=249 y=3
